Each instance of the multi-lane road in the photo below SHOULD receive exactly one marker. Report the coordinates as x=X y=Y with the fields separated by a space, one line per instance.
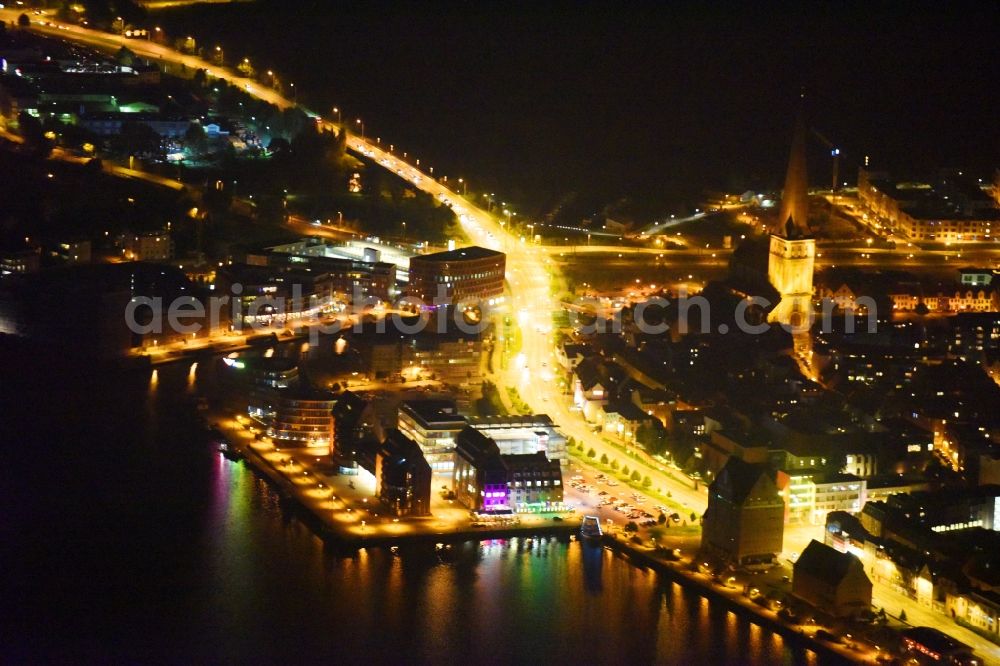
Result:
x=901 y=258
x=528 y=270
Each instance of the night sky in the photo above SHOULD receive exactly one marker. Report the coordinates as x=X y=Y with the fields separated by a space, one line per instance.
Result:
x=649 y=103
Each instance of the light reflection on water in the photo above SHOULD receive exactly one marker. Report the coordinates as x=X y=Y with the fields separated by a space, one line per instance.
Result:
x=157 y=548
x=491 y=601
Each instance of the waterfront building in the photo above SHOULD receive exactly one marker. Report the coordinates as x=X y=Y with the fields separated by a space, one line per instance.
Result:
x=744 y=522
x=487 y=481
x=403 y=477
x=353 y=418
x=345 y=276
x=480 y=477
x=295 y=415
x=529 y=434
x=269 y=295
x=833 y=582
x=472 y=274
x=733 y=441
x=433 y=425
x=263 y=372
x=534 y=482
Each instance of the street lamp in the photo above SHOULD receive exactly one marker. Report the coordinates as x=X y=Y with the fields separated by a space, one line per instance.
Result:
x=337 y=111
x=465 y=186
x=358 y=121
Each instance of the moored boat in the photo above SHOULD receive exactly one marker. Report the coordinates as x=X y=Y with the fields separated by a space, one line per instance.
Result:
x=590 y=528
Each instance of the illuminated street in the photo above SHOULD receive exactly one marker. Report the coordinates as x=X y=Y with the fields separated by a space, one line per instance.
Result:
x=278 y=391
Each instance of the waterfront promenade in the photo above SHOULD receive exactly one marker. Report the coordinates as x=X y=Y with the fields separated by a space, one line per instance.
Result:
x=730 y=592
x=352 y=518
x=340 y=507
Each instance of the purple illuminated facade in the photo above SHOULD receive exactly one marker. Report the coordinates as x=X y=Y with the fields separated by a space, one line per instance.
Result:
x=480 y=477
x=488 y=482
x=495 y=498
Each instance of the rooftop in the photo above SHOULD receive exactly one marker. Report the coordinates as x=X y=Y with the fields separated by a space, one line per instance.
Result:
x=476 y=447
x=511 y=421
x=433 y=411
x=471 y=252
x=825 y=562
x=738 y=478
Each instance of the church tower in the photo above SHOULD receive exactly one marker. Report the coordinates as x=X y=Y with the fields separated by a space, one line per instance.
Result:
x=792 y=258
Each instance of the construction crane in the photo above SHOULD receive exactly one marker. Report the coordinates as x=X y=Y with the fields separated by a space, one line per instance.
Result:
x=834 y=153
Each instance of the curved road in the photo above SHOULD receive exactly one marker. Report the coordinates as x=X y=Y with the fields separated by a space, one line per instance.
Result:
x=528 y=266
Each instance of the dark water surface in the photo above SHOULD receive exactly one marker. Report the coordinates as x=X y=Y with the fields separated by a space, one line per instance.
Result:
x=126 y=537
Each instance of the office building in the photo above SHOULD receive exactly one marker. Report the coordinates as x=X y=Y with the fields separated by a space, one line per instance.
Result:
x=487 y=481
x=534 y=482
x=470 y=275
x=433 y=425
x=516 y=434
x=480 y=477
x=402 y=475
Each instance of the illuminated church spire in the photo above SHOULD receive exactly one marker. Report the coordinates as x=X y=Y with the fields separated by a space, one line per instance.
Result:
x=793 y=219
x=792 y=258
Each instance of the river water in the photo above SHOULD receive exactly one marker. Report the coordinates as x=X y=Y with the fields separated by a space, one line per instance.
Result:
x=127 y=537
